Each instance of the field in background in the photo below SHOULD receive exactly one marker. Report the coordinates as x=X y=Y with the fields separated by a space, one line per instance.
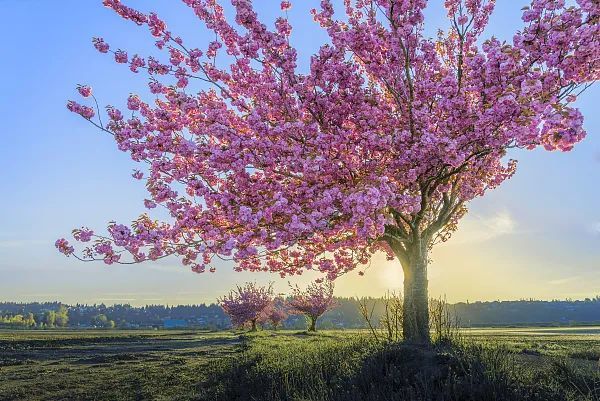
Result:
x=180 y=365
x=107 y=365
x=577 y=343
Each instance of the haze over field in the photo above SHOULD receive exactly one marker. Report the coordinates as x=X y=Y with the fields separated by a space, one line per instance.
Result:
x=536 y=236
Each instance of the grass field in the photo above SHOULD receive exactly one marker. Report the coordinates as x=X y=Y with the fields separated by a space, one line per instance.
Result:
x=286 y=365
x=580 y=344
x=107 y=365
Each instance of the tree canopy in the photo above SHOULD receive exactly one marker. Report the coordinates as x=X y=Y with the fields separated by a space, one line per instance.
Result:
x=378 y=146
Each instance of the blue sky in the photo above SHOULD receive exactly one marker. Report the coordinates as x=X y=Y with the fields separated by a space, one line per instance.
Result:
x=536 y=236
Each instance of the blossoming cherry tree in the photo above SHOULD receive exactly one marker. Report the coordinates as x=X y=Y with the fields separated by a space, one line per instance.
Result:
x=377 y=146
x=246 y=304
x=313 y=302
x=276 y=313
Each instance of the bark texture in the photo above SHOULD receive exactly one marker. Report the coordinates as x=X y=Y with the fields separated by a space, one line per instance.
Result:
x=415 y=313
x=416 y=299
x=313 y=324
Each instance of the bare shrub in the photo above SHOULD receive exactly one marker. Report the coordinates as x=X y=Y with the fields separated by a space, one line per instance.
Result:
x=388 y=326
x=443 y=322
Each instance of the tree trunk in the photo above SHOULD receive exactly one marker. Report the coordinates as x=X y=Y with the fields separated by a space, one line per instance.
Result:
x=253 y=325
x=416 y=300
x=313 y=324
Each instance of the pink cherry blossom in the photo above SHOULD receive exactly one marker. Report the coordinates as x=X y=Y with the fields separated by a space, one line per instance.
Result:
x=84 y=90
x=83 y=234
x=63 y=246
x=156 y=25
x=312 y=302
x=84 y=111
x=121 y=56
x=246 y=304
x=149 y=204
x=462 y=20
x=286 y=5
x=136 y=63
x=100 y=45
x=114 y=114
x=275 y=313
x=133 y=102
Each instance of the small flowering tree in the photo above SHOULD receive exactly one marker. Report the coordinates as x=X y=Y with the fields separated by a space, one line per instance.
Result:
x=378 y=146
x=276 y=313
x=246 y=304
x=312 y=302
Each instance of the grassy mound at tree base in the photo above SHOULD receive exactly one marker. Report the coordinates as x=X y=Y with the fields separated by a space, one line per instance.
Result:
x=356 y=369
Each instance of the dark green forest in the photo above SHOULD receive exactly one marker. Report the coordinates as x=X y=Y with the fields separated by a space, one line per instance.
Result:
x=344 y=316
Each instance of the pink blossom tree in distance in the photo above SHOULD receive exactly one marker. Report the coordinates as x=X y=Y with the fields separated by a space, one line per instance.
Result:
x=246 y=304
x=312 y=302
x=275 y=313
x=377 y=146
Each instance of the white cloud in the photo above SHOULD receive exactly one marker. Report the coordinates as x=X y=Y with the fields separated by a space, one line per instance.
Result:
x=564 y=280
x=500 y=224
x=484 y=228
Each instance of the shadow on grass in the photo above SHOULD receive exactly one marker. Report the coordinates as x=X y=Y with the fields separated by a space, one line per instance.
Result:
x=354 y=370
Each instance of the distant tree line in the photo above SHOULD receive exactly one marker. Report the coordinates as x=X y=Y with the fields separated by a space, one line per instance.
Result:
x=345 y=314
x=42 y=318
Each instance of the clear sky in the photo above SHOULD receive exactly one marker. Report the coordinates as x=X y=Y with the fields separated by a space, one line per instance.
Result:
x=536 y=236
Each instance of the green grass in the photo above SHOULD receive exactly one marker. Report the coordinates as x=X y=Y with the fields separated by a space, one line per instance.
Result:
x=494 y=364
x=107 y=365
x=560 y=342
x=336 y=366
